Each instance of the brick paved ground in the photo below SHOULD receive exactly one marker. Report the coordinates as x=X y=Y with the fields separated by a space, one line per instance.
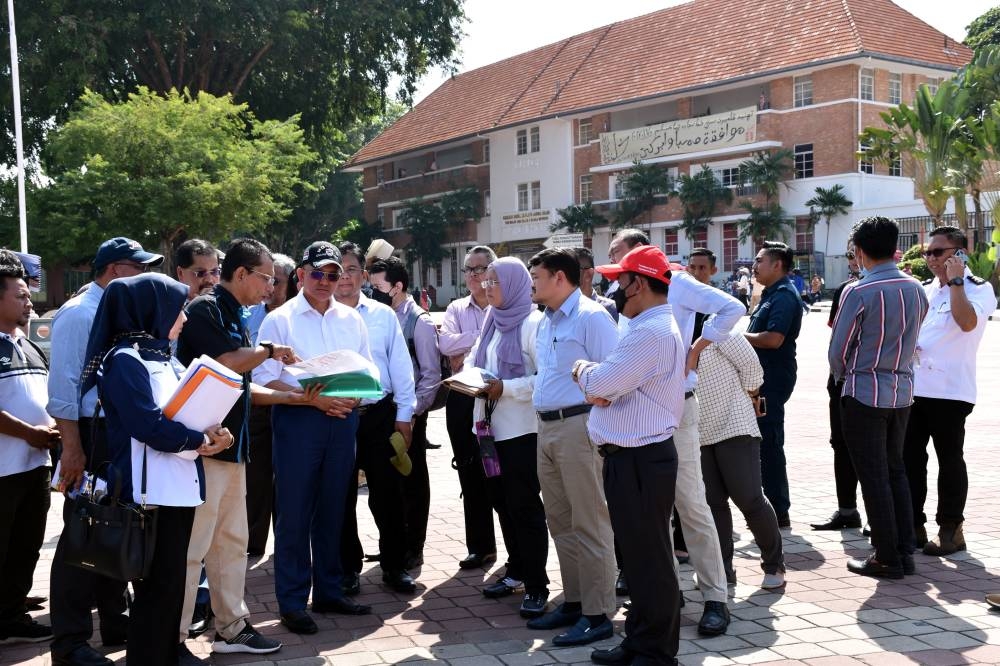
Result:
x=824 y=616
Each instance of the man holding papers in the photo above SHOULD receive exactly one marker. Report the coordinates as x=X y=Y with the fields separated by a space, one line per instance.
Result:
x=313 y=448
x=216 y=328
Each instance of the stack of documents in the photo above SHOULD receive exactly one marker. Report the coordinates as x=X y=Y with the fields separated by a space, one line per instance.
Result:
x=206 y=393
x=470 y=381
x=343 y=374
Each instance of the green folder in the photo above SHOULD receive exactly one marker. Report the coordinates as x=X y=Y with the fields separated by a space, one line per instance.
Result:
x=346 y=385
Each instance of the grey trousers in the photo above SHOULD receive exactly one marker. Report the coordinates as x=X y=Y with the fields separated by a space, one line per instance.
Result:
x=731 y=469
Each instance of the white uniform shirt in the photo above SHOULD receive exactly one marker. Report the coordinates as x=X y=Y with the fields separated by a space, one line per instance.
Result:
x=23 y=394
x=390 y=354
x=310 y=333
x=945 y=359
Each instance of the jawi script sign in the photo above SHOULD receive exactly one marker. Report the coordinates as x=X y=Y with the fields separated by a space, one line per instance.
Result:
x=690 y=135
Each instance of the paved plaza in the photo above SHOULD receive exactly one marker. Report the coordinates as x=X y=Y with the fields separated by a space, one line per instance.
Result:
x=825 y=616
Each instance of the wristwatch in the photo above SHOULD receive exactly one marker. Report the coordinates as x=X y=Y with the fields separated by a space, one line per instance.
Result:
x=269 y=346
x=956 y=282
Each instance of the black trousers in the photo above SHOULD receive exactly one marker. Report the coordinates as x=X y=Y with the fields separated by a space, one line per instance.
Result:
x=479 y=535
x=639 y=485
x=417 y=489
x=22 y=530
x=73 y=592
x=385 y=492
x=156 y=609
x=516 y=497
x=260 y=480
x=943 y=422
x=874 y=437
x=844 y=477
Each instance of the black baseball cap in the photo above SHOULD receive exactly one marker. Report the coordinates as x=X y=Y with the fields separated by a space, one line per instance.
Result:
x=121 y=248
x=321 y=254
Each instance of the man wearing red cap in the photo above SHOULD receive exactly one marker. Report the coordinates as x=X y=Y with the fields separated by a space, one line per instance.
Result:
x=638 y=398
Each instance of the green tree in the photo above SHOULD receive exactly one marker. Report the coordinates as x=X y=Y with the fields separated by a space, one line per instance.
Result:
x=642 y=185
x=700 y=195
x=828 y=203
x=914 y=260
x=581 y=219
x=163 y=168
x=984 y=30
x=766 y=172
x=428 y=222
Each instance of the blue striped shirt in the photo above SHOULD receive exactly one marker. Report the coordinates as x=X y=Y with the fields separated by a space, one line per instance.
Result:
x=874 y=336
x=644 y=380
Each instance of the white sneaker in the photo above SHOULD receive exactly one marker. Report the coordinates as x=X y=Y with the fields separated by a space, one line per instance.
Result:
x=249 y=640
x=773 y=581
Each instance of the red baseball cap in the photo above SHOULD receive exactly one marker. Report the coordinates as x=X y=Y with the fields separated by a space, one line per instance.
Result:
x=646 y=260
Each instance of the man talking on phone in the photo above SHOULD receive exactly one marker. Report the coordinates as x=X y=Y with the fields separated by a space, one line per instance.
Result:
x=944 y=371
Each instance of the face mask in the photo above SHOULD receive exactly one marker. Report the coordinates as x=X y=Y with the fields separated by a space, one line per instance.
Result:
x=381 y=296
x=620 y=298
x=862 y=271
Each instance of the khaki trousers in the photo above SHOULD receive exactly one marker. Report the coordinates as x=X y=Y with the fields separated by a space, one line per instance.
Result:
x=700 y=534
x=570 y=472
x=219 y=538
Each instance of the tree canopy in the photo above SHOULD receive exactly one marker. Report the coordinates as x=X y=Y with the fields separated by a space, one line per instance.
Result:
x=984 y=30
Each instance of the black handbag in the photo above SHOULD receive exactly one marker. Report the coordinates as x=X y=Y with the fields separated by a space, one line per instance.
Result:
x=107 y=536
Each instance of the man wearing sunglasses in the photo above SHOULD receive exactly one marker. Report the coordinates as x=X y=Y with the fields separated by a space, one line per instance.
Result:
x=197 y=265
x=945 y=386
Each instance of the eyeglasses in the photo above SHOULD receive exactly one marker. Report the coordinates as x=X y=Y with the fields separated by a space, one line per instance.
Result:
x=475 y=270
x=849 y=255
x=142 y=268
x=486 y=284
x=353 y=271
x=319 y=276
x=270 y=279
x=204 y=272
x=938 y=251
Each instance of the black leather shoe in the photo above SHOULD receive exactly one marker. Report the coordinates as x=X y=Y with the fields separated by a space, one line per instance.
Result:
x=201 y=620
x=82 y=656
x=870 y=567
x=399 y=581
x=504 y=587
x=186 y=658
x=583 y=633
x=342 y=606
x=839 y=521
x=557 y=619
x=714 y=620
x=299 y=622
x=621 y=585
x=351 y=584
x=909 y=567
x=533 y=605
x=114 y=639
x=477 y=560
x=616 y=655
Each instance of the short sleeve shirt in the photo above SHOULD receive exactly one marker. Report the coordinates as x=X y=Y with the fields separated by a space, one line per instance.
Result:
x=779 y=311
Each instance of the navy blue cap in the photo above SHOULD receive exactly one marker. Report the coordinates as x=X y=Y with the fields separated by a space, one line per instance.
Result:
x=121 y=249
x=321 y=254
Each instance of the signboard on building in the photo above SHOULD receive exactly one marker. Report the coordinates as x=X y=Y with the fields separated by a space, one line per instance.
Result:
x=721 y=130
x=566 y=241
x=527 y=217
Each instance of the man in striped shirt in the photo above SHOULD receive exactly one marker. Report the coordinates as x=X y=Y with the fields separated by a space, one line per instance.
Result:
x=871 y=351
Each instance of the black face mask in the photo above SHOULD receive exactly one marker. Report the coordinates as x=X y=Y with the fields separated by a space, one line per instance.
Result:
x=620 y=298
x=381 y=296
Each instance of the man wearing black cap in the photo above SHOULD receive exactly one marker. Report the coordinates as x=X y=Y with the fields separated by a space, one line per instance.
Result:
x=75 y=591
x=313 y=445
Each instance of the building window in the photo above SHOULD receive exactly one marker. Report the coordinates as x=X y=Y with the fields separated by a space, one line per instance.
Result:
x=424 y=274
x=932 y=86
x=438 y=274
x=522 y=142
x=895 y=88
x=522 y=197
x=729 y=177
x=584 y=132
x=453 y=264
x=536 y=195
x=536 y=141
x=586 y=181
x=487 y=205
x=804 y=160
x=803 y=91
x=803 y=235
x=486 y=151
x=619 y=186
x=865 y=165
x=380 y=219
x=867 y=85
x=529 y=196
x=700 y=238
x=896 y=166
x=730 y=245
x=380 y=174
x=670 y=237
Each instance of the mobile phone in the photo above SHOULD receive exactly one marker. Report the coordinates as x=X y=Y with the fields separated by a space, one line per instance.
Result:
x=762 y=406
x=962 y=256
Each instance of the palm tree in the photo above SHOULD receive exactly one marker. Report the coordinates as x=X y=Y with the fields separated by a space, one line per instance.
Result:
x=643 y=184
x=828 y=203
x=701 y=194
x=766 y=171
x=578 y=219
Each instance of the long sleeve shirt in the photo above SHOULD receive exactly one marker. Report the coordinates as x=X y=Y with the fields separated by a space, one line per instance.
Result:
x=427 y=358
x=727 y=370
x=391 y=357
x=644 y=380
x=875 y=335
x=579 y=329
x=67 y=356
x=462 y=322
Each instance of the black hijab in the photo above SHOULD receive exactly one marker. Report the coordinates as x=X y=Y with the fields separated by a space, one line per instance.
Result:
x=137 y=312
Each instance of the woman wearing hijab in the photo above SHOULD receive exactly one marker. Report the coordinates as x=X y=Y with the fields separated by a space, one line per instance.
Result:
x=129 y=360
x=506 y=349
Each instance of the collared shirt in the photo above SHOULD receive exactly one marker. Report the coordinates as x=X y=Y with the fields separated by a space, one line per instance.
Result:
x=945 y=363
x=779 y=311
x=644 y=380
x=687 y=297
x=463 y=320
x=310 y=333
x=23 y=376
x=253 y=322
x=513 y=416
x=579 y=328
x=606 y=303
x=726 y=371
x=391 y=357
x=67 y=356
x=215 y=327
x=874 y=336
x=426 y=357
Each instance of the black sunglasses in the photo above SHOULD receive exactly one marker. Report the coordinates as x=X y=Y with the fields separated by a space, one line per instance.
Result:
x=938 y=251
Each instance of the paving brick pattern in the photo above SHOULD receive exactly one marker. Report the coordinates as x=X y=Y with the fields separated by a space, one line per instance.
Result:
x=825 y=616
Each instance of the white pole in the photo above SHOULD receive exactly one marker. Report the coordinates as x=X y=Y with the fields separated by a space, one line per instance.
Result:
x=18 y=141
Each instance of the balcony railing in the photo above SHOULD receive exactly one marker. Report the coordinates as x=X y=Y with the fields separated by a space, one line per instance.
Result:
x=914 y=230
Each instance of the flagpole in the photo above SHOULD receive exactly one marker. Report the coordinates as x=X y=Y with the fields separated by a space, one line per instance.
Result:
x=18 y=141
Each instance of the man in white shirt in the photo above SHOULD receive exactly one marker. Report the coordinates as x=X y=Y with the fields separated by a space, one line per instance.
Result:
x=313 y=445
x=944 y=369
x=379 y=420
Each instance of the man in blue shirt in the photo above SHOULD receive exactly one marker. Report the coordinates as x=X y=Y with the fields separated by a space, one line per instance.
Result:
x=774 y=327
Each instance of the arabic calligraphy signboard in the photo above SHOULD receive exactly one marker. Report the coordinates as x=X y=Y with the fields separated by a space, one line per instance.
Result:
x=721 y=130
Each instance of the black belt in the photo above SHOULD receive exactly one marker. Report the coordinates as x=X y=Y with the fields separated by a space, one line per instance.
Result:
x=565 y=413
x=362 y=409
x=608 y=450
x=688 y=394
